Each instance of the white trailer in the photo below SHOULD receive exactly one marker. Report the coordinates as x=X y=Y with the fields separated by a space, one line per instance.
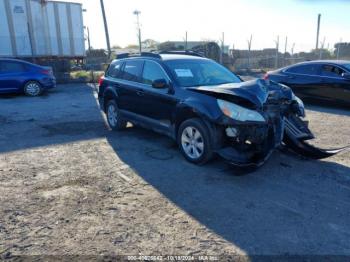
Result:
x=39 y=28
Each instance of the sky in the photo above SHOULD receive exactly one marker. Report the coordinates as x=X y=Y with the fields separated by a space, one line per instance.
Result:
x=164 y=20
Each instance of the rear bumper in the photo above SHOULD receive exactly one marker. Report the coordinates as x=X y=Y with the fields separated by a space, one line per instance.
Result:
x=101 y=103
x=48 y=83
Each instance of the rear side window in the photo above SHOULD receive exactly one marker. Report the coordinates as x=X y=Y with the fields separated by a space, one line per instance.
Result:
x=12 y=67
x=152 y=71
x=304 y=69
x=332 y=71
x=132 y=70
x=114 y=69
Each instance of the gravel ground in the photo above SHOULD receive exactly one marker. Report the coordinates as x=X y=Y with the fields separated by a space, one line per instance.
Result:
x=69 y=186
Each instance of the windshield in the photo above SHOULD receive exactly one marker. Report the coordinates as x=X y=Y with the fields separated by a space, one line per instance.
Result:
x=190 y=73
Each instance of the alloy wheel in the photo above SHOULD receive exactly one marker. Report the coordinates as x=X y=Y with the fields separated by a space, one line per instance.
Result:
x=112 y=115
x=33 y=89
x=192 y=142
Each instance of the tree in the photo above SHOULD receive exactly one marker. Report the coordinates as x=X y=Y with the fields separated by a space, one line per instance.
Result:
x=132 y=46
x=166 y=46
x=150 y=43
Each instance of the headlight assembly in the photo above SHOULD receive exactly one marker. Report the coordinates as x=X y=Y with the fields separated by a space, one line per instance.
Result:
x=239 y=113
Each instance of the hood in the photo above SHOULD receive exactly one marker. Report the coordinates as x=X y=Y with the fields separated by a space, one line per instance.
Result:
x=255 y=91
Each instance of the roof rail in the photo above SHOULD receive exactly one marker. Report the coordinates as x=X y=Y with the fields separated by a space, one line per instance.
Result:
x=123 y=55
x=186 y=52
x=148 y=54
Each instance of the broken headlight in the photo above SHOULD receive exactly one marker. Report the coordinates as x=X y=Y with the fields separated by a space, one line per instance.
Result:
x=239 y=113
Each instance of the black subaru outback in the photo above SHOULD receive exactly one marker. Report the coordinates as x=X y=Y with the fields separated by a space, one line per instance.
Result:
x=205 y=107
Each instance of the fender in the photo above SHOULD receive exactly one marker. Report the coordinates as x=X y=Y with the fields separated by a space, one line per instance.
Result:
x=192 y=108
x=108 y=94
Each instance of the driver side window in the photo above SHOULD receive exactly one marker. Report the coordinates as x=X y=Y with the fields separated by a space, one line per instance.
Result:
x=152 y=71
x=332 y=71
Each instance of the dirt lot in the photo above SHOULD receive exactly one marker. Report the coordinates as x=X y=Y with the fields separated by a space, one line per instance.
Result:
x=69 y=186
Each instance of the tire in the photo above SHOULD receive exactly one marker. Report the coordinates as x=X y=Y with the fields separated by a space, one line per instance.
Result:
x=113 y=119
x=194 y=141
x=33 y=88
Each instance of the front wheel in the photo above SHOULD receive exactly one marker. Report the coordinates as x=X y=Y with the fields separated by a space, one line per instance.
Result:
x=194 y=141
x=113 y=117
x=32 y=88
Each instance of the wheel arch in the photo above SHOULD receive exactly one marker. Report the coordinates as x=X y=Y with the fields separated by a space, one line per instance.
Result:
x=185 y=112
x=31 y=80
x=109 y=94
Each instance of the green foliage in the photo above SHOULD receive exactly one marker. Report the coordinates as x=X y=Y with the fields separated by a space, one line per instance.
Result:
x=86 y=76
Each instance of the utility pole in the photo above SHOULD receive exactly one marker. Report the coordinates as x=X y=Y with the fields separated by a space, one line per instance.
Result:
x=88 y=38
x=285 y=50
x=249 y=48
x=318 y=30
x=338 y=48
x=222 y=48
x=285 y=45
x=277 y=48
x=322 y=47
x=106 y=29
x=186 y=41
x=137 y=13
x=292 y=53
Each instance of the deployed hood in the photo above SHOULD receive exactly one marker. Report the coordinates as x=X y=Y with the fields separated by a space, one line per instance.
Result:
x=255 y=91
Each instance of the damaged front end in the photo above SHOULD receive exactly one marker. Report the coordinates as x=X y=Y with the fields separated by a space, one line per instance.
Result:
x=259 y=116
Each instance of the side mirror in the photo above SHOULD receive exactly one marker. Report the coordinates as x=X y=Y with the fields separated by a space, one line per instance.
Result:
x=160 y=83
x=346 y=76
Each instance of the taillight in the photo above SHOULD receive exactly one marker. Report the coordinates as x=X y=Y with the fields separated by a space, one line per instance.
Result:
x=266 y=77
x=100 y=80
x=45 y=72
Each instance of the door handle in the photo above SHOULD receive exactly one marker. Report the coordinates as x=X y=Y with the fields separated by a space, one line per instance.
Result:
x=140 y=92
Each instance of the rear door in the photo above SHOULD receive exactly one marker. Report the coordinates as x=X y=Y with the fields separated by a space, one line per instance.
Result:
x=335 y=87
x=12 y=76
x=304 y=80
x=130 y=87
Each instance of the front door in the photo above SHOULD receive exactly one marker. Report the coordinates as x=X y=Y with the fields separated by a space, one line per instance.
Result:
x=157 y=104
x=335 y=87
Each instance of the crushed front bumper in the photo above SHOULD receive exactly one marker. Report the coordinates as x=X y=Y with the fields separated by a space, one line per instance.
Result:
x=253 y=144
x=236 y=158
x=290 y=132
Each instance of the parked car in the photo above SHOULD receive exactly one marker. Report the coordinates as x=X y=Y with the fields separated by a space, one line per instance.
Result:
x=326 y=81
x=17 y=76
x=204 y=107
